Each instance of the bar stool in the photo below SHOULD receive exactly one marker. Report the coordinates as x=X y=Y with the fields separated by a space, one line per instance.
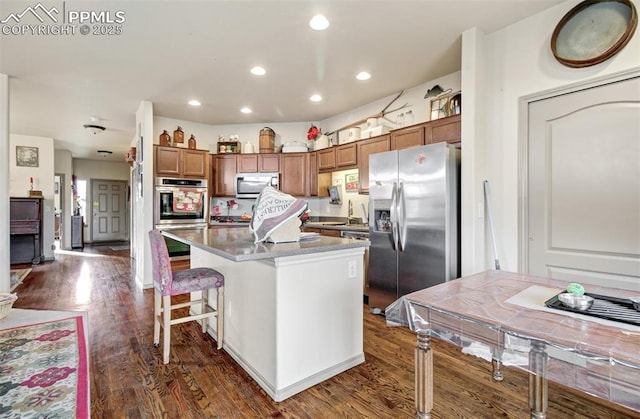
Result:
x=167 y=284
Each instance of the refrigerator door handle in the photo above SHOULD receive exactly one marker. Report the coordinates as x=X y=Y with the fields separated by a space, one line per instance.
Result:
x=402 y=219
x=394 y=214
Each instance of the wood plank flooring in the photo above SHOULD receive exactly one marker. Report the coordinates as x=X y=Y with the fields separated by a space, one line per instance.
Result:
x=128 y=379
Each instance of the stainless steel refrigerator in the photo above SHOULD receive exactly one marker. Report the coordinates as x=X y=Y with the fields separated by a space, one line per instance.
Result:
x=413 y=221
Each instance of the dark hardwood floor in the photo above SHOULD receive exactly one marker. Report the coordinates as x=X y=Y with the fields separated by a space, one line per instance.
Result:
x=128 y=379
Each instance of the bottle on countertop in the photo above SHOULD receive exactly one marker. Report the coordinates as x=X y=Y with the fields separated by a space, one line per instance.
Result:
x=178 y=135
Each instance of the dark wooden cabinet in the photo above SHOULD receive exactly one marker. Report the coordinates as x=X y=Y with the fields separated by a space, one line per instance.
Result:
x=25 y=230
x=365 y=149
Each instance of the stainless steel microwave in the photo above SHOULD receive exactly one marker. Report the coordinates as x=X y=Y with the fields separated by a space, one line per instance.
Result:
x=249 y=185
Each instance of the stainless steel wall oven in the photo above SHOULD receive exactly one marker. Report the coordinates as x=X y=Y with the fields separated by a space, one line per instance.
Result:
x=180 y=201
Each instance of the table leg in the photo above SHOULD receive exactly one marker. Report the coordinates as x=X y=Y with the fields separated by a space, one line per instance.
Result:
x=424 y=376
x=496 y=363
x=538 y=398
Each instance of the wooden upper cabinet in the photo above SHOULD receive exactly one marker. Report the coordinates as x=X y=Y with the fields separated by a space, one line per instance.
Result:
x=247 y=163
x=167 y=161
x=407 y=137
x=326 y=159
x=446 y=129
x=294 y=179
x=180 y=162
x=194 y=163
x=347 y=156
x=269 y=163
x=251 y=163
x=365 y=149
x=224 y=175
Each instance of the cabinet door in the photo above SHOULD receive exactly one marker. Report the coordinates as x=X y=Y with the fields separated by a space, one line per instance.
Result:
x=224 y=175
x=312 y=174
x=365 y=149
x=247 y=163
x=167 y=161
x=446 y=129
x=347 y=156
x=269 y=163
x=294 y=174
x=407 y=137
x=326 y=159
x=194 y=163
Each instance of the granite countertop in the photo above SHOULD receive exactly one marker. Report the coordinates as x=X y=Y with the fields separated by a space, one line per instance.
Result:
x=237 y=244
x=342 y=227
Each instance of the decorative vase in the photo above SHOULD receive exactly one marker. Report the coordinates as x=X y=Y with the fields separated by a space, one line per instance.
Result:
x=178 y=136
x=192 y=142
x=310 y=145
x=165 y=138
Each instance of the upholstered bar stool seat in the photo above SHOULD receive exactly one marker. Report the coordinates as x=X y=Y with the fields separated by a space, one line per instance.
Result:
x=167 y=283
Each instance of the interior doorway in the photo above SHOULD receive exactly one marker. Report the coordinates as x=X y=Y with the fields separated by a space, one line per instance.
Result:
x=109 y=219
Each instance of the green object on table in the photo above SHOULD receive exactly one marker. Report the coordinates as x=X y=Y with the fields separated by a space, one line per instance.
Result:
x=574 y=288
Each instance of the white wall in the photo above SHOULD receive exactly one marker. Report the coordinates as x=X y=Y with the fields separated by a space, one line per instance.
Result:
x=63 y=164
x=514 y=63
x=143 y=216
x=19 y=182
x=5 y=282
x=207 y=135
x=413 y=97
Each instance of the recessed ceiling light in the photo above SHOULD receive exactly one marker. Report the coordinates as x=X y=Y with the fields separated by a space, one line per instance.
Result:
x=194 y=102
x=315 y=98
x=258 y=71
x=363 y=75
x=246 y=110
x=319 y=23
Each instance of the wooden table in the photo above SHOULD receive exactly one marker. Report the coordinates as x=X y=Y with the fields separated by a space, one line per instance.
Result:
x=504 y=312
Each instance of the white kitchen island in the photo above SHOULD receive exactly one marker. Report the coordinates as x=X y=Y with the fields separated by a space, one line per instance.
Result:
x=292 y=311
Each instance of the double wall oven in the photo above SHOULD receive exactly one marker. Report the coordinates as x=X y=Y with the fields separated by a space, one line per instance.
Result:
x=180 y=203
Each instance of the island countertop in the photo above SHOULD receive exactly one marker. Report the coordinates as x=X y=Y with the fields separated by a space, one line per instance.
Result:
x=237 y=244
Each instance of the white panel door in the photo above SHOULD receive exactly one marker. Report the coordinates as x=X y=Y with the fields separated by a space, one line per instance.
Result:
x=584 y=186
x=109 y=210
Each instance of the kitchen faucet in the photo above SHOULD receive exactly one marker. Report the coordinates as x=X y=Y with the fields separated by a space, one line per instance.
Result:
x=350 y=219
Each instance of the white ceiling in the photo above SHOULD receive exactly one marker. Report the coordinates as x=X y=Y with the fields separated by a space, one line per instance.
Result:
x=173 y=51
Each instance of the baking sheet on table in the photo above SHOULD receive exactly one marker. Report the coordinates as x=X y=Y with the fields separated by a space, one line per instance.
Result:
x=535 y=296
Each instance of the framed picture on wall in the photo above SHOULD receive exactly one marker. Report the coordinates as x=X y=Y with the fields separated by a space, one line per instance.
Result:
x=26 y=156
x=351 y=183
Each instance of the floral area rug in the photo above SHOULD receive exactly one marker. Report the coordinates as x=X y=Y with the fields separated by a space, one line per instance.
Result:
x=44 y=370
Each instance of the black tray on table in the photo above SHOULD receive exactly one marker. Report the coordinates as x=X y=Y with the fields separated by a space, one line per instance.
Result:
x=604 y=307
